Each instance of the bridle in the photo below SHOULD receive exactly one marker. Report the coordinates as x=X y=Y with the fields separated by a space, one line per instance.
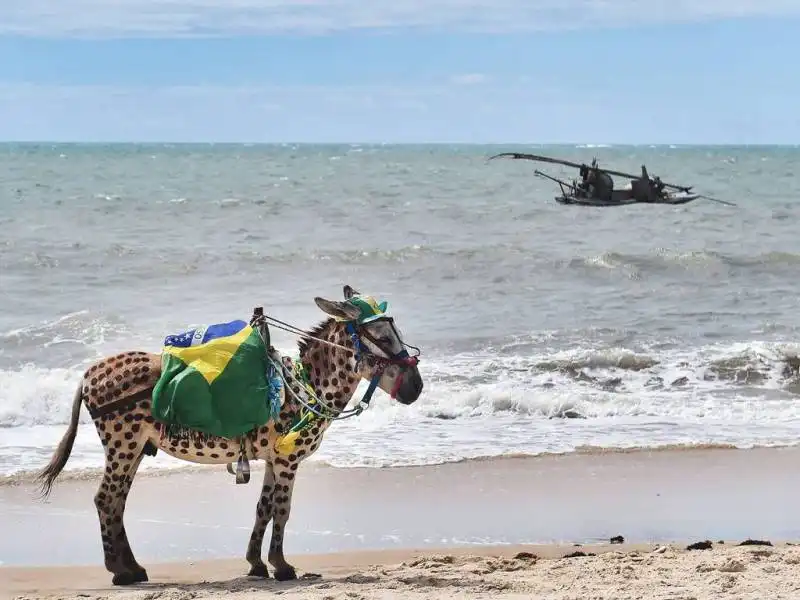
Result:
x=362 y=351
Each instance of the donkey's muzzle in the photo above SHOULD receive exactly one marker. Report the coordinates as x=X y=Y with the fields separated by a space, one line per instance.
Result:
x=410 y=388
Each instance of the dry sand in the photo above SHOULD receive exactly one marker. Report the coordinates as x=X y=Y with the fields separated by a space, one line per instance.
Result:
x=614 y=573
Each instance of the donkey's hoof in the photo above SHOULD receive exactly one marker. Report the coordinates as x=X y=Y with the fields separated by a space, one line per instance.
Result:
x=129 y=578
x=140 y=576
x=285 y=574
x=259 y=570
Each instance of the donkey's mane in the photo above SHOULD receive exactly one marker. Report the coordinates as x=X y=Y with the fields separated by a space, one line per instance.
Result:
x=317 y=331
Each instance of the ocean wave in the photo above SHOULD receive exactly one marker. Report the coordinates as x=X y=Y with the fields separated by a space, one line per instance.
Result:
x=68 y=340
x=746 y=380
x=32 y=396
x=522 y=397
x=79 y=326
x=664 y=260
x=131 y=258
x=735 y=382
x=612 y=358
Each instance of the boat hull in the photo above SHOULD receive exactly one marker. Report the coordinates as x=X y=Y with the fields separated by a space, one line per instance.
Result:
x=670 y=199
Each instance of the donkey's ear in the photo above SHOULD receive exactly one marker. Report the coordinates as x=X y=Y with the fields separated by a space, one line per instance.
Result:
x=349 y=292
x=343 y=311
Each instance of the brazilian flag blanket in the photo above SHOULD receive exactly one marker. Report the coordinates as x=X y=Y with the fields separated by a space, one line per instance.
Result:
x=216 y=380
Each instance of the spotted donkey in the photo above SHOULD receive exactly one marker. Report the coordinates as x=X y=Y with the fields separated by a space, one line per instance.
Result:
x=117 y=393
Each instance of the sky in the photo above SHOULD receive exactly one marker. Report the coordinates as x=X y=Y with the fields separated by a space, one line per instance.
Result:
x=462 y=71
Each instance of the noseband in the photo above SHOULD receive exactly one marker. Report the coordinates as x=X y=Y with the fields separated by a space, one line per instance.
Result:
x=362 y=351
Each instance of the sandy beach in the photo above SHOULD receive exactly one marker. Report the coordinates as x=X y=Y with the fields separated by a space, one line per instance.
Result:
x=603 y=572
x=486 y=528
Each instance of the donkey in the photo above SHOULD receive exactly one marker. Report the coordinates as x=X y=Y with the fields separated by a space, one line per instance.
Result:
x=117 y=391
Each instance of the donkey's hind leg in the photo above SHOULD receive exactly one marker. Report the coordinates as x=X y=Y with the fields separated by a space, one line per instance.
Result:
x=123 y=455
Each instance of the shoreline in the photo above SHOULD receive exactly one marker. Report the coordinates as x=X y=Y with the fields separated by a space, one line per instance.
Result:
x=26 y=476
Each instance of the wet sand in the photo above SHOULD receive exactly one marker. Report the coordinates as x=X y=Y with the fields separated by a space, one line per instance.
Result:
x=345 y=519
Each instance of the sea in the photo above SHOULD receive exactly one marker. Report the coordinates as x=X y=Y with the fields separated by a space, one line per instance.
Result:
x=543 y=328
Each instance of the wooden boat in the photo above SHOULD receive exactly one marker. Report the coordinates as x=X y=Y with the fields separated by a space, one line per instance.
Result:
x=597 y=187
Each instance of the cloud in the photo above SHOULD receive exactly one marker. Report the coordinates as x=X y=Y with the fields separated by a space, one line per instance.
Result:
x=176 y=18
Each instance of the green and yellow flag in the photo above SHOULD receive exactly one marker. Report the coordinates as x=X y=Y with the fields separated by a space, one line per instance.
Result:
x=215 y=380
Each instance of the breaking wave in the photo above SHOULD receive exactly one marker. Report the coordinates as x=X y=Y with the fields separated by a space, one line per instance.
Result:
x=586 y=383
x=497 y=402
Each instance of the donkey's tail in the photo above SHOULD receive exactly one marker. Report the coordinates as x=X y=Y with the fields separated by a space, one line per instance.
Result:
x=47 y=476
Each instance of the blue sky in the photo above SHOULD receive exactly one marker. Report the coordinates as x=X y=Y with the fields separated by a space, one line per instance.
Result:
x=561 y=71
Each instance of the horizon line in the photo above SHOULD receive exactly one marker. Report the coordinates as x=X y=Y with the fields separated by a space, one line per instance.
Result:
x=587 y=145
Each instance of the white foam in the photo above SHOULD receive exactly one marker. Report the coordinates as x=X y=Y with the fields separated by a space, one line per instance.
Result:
x=491 y=403
x=33 y=396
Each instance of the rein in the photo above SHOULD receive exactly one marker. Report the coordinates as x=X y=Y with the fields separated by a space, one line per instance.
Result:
x=327 y=413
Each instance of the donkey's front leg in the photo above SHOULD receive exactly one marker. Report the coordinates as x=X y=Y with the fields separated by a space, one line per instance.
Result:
x=282 y=502
x=264 y=512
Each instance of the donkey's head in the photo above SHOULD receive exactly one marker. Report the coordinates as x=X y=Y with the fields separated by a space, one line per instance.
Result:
x=380 y=354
